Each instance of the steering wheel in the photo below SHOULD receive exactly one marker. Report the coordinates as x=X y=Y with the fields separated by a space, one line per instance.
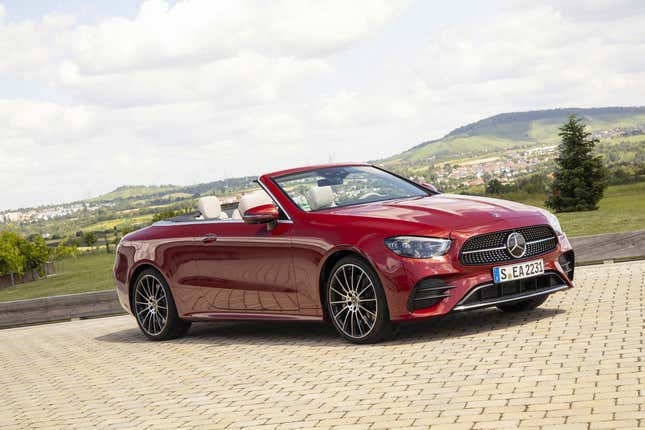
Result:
x=370 y=194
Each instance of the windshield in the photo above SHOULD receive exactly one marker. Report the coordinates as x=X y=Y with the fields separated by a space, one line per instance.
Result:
x=344 y=186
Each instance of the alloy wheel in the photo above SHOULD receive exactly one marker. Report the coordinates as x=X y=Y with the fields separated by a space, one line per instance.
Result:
x=353 y=301
x=151 y=305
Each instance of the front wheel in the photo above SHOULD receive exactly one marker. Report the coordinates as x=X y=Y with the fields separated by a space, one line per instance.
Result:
x=524 y=305
x=356 y=302
x=155 y=309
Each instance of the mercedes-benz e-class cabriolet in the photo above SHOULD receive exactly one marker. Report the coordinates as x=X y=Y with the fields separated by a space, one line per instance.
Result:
x=351 y=244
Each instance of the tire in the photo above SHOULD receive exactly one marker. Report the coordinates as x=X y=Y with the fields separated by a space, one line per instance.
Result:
x=154 y=308
x=524 y=305
x=356 y=302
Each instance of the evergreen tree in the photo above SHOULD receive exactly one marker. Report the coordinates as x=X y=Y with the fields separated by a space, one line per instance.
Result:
x=580 y=177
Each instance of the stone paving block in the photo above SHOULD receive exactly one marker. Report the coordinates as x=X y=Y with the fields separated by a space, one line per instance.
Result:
x=574 y=363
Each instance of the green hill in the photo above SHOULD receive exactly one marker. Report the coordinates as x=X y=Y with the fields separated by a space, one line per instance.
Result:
x=174 y=192
x=135 y=191
x=522 y=130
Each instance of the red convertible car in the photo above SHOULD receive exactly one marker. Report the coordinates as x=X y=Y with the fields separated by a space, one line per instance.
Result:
x=351 y=244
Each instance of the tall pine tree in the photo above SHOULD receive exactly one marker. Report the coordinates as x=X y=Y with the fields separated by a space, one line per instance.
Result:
x=580 y=177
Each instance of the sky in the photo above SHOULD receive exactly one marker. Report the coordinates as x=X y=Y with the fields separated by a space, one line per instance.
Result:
x=95 y=95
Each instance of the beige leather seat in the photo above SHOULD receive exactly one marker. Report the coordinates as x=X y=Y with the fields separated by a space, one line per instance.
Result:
x=211 y=208
x=319 y=197
x=251 y=200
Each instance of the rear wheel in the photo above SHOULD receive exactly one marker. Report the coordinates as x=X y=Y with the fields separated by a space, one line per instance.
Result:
x=155 y=309
x=356 y=302
x=524 y=305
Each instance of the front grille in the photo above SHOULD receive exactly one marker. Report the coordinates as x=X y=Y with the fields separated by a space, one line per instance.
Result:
x=491 y=247
x=482 y=294
x=428 y=292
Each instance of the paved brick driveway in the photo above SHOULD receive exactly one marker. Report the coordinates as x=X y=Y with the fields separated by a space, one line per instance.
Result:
x=576 y=363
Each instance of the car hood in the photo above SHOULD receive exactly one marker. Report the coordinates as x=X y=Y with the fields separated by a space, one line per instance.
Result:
x=449 y=211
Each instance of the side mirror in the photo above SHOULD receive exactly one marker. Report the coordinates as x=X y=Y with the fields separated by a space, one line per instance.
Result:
x=430 y=187
x=261 y=214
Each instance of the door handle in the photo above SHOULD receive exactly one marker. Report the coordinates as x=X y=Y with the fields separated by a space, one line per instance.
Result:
x=210 y=237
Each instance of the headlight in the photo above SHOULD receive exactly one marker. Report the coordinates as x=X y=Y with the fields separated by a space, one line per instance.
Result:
x=417 y=247
x=553 y=220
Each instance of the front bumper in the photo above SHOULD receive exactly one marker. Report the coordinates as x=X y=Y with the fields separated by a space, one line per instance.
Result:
x=491 y=294
x=451 y=284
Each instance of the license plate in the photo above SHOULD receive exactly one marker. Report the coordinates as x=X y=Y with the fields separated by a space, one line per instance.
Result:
x=518 y=271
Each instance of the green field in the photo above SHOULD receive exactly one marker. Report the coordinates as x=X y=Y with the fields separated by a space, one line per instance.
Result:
x=76 y=275
x=622 y=209
x=119 y=222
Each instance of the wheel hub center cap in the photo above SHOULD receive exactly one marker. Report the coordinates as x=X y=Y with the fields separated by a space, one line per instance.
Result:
x=153 y=306
x=352 y=301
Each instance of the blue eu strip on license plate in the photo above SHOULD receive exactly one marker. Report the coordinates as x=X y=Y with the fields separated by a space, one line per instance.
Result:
x=496 y=277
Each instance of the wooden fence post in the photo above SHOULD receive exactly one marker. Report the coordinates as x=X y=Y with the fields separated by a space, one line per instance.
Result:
x=12 y=281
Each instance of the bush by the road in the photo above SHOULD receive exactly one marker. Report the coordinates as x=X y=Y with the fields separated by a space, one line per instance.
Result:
x=19 y=255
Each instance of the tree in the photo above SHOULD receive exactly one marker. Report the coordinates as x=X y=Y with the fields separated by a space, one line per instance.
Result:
x=35 y=252
x=107 y=241
x=580 y=177
x=165 y=214
x=72 y=242
x=11 y=259
x=89 y=238
x=64 y=250
x=494 y=186
x=532 y=184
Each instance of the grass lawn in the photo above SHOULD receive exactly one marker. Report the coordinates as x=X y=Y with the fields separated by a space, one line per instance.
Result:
x=76 y=275
x=621 y=209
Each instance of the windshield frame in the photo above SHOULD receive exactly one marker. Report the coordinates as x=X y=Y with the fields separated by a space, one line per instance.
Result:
x=425 y=190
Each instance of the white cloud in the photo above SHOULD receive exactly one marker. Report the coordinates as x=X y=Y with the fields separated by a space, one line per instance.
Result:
x=27 y=46
x=587 y=10
x=248 y=78
x=233 y=51
x=45 y=122
x=199 y=31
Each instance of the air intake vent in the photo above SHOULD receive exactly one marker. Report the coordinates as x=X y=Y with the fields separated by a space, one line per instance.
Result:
x=428 y=292
x=567 y=262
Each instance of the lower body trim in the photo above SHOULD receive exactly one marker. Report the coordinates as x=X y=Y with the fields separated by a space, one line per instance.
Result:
x=513 y=298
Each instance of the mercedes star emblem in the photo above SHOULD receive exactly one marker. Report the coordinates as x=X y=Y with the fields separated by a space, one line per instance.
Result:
x=516 y=245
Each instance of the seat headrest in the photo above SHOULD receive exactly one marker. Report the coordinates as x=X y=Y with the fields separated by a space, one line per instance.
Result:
x=253 y=199
x=210 y=207
x=319 y=197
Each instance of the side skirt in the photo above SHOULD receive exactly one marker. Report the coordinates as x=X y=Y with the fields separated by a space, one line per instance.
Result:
x=216 y=316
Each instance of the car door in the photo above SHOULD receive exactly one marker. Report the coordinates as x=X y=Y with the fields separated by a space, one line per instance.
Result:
x=244 y=268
